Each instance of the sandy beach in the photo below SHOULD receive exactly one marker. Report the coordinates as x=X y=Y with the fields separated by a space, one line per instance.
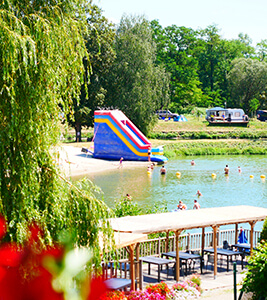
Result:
x=74 y=163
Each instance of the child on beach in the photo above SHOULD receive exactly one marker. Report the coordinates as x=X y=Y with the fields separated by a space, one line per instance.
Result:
x=120 y=164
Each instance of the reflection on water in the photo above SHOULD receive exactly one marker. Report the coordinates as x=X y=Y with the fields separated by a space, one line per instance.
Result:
x=235 y=189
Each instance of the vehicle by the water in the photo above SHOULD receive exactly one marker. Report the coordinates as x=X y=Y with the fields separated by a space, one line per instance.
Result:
x=226 y=116
x=262 y=115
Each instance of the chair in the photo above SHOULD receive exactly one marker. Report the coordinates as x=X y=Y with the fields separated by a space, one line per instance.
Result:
x=191 y=261
x=226 y=245
x=210 y=260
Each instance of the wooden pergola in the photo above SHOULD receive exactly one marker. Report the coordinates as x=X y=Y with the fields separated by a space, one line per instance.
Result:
x=190 y=219
x=130 y=241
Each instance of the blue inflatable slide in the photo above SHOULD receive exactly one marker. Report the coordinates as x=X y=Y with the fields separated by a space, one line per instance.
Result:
x=115 y=136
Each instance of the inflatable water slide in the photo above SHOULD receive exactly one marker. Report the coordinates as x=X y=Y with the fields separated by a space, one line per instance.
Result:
x=115 y=136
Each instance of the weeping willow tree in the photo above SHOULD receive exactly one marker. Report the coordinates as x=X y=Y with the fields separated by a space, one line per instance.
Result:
x=42 y=53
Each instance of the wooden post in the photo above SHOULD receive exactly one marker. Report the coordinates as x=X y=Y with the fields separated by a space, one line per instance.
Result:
x=132 y=268
x=167 y=242
x=203 y=242
x=252 y=224
x=138 y=265
x=236 y=233
x=215 y=228
x=177 y=234
x=188 y=241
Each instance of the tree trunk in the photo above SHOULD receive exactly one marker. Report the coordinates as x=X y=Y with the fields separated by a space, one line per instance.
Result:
x=78 y=129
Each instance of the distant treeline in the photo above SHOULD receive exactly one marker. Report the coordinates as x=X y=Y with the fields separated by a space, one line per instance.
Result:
x=139 y=67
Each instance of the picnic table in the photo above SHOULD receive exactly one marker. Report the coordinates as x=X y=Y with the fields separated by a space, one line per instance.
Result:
x=156 y=261
x=186 y=257
x=117 y=283
x=226 y=252
x=243 y=247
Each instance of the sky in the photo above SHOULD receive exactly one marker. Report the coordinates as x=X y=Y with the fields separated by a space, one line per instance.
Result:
x=230 y=16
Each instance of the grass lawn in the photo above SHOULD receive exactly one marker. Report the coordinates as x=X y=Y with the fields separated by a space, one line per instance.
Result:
x=194 y=124
x=200 y=124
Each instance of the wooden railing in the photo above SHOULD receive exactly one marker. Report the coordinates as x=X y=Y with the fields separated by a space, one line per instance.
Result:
x=188 y=241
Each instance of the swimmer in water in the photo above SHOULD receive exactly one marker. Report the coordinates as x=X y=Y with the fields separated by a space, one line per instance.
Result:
x=162 y=170
x=199 y=194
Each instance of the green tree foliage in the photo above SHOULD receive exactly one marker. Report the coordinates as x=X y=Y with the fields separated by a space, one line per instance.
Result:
x=246 y=45
x=41 y=53
x=255 y=280
x=99 y=40
x=175 y=47
x=126 y=207
x=136 y=85
x=261 y=50
x=264 y=231
x=248 y=80
x=215 y=56
x=199 y=62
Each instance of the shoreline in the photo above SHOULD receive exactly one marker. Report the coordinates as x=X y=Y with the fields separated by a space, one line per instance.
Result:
x=74 y=163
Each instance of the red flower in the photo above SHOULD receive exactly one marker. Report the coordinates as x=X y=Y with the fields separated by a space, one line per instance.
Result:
x=2 y=227
x=97 y=288
x=22 y=276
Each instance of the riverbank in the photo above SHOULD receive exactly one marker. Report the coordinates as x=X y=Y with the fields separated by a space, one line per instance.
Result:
x=174 y=149
x=75 y=163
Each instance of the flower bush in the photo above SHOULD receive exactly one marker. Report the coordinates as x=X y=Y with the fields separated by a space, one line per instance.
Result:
x=160 y=288
x=160 y=291
x=185 y=290
x=113 y=295
x=145 y=295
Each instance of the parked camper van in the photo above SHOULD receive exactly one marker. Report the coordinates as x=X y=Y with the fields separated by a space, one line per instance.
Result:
x=226 y=116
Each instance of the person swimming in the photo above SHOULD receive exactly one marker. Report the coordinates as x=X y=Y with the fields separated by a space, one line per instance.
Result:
x=196 y=205
x=226 y=170
x=199 y=194
x=163 y=170
x=181 y=205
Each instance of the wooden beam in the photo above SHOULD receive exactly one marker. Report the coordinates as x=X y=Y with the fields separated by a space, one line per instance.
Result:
x=252 y=225
x=177 y=235
x=203 y=242
x=167 y=242
x=137 y=254
x=236 y=233
x=215 y=229
x=132 y=267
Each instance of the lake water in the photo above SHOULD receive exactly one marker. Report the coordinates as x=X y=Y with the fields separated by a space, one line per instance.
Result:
x=234 y=189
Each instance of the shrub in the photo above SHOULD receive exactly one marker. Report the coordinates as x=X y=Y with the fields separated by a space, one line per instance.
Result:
x=159 y=288
x=264 y=231
x=114 y=295
x=255 y=280
x=126 y=207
